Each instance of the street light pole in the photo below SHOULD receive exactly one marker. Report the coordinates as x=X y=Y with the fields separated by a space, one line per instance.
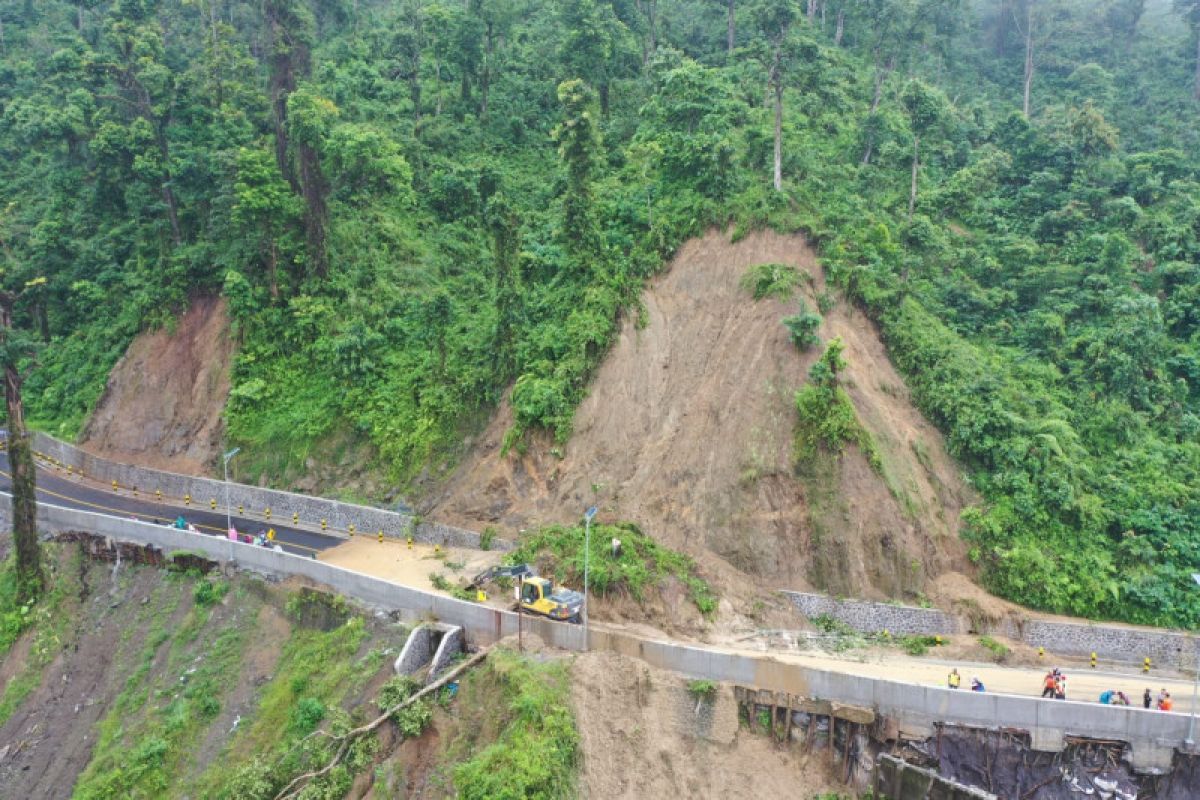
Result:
x=587 y=552
x=1191 y=740
x=228 y=507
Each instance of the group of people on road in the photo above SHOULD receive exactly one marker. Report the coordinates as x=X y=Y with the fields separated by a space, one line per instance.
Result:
x=1162 y=703
x=1054 y=685
x=954 y=680
x=264 y=538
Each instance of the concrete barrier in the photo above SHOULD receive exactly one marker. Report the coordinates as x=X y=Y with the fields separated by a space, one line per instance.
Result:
x=1152 y=736
x=339 y=516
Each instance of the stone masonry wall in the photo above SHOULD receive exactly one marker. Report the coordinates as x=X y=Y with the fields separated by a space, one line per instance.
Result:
x=874 y=617
x=1109 y=642
x=311 y=510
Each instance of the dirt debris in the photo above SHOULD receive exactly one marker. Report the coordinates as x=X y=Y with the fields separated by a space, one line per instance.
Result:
x=643 y=734
x=688 y=432
x=164 y=399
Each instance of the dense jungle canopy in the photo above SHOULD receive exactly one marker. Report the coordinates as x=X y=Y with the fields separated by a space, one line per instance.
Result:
x=414 y=207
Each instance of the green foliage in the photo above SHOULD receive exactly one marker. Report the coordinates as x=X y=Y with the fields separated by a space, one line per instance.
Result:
x=998 y=650
x=802 y=328
x=463 y=199
x=208 y=592
x=702 y=689
x=487 y=538
x=537 y=748
x=826 y=418
x=770 y=280
x=558 y=551
x=829 y=624
x=917 y=645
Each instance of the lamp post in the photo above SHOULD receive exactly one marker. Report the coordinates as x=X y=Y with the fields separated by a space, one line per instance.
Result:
x=587 y=551
x=225 y=460
x=1191 y=740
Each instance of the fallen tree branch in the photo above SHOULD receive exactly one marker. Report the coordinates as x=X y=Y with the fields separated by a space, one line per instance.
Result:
x=293 y=789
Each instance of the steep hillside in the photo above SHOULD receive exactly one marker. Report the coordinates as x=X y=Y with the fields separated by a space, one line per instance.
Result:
x=688 y=432
x=163 y=402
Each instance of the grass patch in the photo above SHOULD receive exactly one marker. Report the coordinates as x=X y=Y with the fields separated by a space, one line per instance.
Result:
x=826 y=420
x=316 y=672
x=44 y=617
x=702 y=689
x=525 y=744
x=146 y=740
x=998 y=650
x=558 y=550
x=770 y=280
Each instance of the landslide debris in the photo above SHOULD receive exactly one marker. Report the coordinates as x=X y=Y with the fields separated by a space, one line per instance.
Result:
x=688 y=432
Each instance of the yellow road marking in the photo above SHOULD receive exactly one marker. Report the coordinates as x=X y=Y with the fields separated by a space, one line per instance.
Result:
x=122 y=513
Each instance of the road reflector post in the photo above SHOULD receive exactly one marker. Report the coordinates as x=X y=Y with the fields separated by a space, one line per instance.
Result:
x=158 y=495
x=240 y=509
x=295 y=518
x=187 y=499
x=324 y=525
x=212 y=502
x=410 y=541
x=1041 y=652
x=380 y=536
x=114 y=486
x=267 y=513
x=1093 y=660
x=351 y=529
x=1146 y=664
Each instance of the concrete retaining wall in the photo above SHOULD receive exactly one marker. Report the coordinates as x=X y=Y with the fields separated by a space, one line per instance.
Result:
x=1110 y=642
x=1153 y=736
x=311 y=510
x=417 y=651
x=452 y=644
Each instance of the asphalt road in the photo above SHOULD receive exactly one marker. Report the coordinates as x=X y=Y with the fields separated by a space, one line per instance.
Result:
x=56 y=489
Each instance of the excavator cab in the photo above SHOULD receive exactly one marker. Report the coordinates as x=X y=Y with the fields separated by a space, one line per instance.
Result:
x=539 y=596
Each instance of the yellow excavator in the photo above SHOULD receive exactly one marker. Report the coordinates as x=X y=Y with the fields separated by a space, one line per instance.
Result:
x=539 y=595
x=535 y=594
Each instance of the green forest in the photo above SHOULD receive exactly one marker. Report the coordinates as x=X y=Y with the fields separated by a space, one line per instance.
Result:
x=414 y=207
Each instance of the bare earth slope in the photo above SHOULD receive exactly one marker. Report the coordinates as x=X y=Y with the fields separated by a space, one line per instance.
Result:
x=162 y=406
x=688 y=432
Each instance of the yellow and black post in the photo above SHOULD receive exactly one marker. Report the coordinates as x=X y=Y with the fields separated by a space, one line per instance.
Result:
x=1146 y=664
x=1093 y=660
x=295 y=518
x=324 y=525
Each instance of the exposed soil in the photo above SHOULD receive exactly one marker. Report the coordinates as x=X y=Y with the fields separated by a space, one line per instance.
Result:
x=49 y=739
x=688 y=432
x=642 y=734
x=394 y=561
x=163 y=402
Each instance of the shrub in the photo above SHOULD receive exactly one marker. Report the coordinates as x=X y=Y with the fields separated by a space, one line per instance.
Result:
x=487 y=538
x=771 y=280
x=702 y=689
x=802 y=328
x=208 y=593
x=306 y=715
x=998 y=650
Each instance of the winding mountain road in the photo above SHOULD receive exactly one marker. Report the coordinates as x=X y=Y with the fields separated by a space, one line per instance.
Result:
x=55 y=488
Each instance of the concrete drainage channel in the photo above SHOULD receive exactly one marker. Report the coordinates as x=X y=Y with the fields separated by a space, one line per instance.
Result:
x=431 y=644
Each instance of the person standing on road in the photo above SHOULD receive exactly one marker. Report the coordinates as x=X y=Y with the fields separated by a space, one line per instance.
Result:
x=1049 y=684
x=977 y=685
x=953 y=679
x=1146 y=698
x=1166 y=704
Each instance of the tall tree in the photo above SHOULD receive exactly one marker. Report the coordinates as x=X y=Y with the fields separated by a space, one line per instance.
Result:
x=776 y=18
x=1190 y=11
x=927 y=109
x=15 y=345
x=578 y=138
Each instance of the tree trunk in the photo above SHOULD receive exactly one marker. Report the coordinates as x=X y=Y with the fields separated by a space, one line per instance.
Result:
x=812 y=10
x=841 y=27
x=916 y=165
x=777 y=80
x=880 y=77
x=604 y=99
x=1196 y=88
x=312 y=181
x=730 y=27
x=485 y=75
x=20 y=461
x=1028 y=56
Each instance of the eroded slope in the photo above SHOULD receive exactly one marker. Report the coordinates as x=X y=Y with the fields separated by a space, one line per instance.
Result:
x=688 y=432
